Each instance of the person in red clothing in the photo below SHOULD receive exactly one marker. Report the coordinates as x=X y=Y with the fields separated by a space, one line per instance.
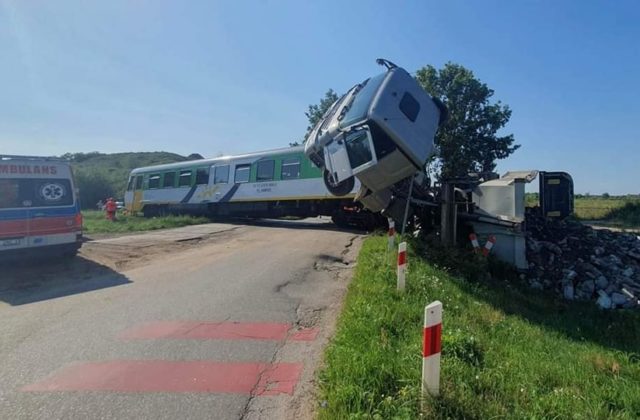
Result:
x=111 y=208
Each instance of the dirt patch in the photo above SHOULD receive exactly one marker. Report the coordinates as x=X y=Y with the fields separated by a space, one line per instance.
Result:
x=126 y=252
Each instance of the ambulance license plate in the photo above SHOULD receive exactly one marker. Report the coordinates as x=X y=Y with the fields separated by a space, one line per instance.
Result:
x=11 y=242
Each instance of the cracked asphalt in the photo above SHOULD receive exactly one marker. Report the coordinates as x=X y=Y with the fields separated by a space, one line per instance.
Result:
x=245 y=309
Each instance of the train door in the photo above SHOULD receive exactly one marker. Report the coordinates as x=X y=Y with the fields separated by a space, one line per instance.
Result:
x=136 y=202
x=220 y=175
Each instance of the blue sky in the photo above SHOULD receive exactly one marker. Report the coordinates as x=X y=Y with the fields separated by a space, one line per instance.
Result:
x=236 y=76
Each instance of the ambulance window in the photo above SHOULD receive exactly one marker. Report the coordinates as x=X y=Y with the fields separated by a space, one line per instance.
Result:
x=139 y=182
x=265 y=170
x=47 y=192
x=221 y=174
x=358 y=149
x=202 y=176
x=154 y=181
x=409 y=107
x=242 y=173
x=9 y=193
x=185 y=179
x=290 y=168
x=169 y=180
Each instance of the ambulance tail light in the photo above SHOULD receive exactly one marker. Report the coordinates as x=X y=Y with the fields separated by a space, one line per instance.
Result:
x=78 y=221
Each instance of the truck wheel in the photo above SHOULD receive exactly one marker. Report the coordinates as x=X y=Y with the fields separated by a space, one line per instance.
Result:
x=338 y=189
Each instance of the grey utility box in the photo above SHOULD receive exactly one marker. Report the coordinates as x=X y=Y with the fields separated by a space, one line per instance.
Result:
x=503 y=202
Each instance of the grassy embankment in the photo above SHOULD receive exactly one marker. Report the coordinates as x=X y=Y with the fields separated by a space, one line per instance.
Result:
x=508 y=351
x=95 y=222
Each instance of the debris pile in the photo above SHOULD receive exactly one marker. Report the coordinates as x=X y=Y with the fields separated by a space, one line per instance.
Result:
x=582 y=263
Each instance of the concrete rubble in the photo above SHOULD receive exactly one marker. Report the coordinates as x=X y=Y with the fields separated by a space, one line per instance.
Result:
x=581 y=263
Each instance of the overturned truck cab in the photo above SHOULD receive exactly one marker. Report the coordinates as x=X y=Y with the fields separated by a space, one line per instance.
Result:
x=381 y=131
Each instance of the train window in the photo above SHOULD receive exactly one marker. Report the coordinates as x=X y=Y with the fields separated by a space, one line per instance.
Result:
x=221 y=174
x=358 y=149
x=169 y=180
x=185 y=179
x=242 y=173
x=409 y=107
x=202 y=176
x=154 y=181
x=290 y=168
x=130 y=184
x=139 y=182
x=265 y=170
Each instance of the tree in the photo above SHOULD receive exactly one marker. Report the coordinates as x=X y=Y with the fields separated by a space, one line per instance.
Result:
x=94 y=186
x=315 y=112
x=468 y=139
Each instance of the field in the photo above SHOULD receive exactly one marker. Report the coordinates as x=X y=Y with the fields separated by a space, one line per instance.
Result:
x=507 y=352
x=623 y=211
x=95 y=222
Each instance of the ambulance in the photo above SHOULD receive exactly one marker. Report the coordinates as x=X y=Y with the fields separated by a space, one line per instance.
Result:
x=39 y=207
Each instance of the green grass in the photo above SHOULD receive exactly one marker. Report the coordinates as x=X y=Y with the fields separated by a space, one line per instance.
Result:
x=508 y=352
x=590 y=208
x=95 y=222
x=624 y=211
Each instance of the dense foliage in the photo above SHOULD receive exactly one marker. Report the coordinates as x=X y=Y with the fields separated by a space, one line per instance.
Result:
x=468 y=141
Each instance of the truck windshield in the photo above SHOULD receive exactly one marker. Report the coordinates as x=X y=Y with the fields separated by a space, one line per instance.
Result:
x=17 y=193
x=359 y=108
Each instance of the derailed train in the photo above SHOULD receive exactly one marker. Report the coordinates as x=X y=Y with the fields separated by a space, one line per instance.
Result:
x=269 y=184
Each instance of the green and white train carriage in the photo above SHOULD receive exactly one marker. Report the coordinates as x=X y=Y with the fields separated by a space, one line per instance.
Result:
x=269 y=184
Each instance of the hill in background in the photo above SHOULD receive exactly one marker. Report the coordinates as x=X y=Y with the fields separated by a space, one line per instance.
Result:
x=103 y=175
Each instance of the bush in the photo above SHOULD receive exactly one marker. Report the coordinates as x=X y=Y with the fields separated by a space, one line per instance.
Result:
x=629 y=214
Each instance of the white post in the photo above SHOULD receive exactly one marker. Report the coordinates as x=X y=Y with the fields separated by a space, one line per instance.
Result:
x=392 y=235
x=402 y=265
x=489 y=245
x=431 y=345
x=475 y=243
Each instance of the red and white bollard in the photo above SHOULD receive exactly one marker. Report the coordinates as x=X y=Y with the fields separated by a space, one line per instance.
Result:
x=392 y=235
x=489 y=245
x=402 y=265
x=475 y=243
x=431 y=346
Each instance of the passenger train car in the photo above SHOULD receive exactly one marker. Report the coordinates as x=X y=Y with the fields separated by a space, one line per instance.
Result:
x=268 y=184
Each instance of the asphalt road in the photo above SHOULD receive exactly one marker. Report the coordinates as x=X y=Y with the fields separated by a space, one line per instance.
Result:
x=215 y=321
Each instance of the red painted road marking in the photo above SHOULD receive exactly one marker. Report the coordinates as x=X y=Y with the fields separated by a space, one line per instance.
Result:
x=305 y=334
x=174 y=376
x=195 y=330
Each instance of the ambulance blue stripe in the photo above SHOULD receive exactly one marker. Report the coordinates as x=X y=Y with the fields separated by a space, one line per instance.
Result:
x=46 y=212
